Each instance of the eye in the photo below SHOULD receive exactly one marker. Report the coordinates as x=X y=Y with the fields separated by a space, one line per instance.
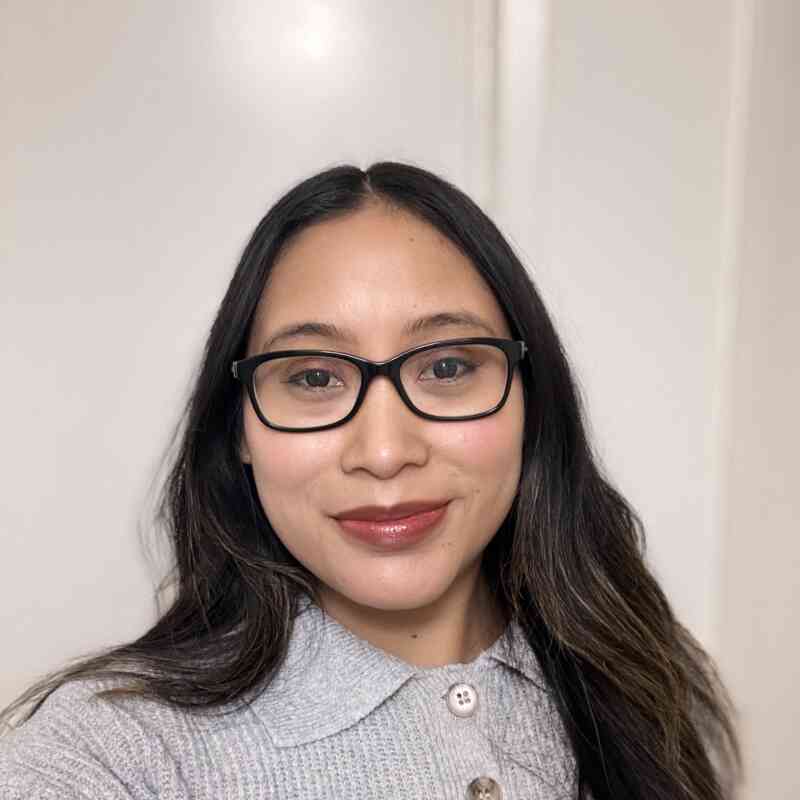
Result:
x=315 y=379
x=446 y=368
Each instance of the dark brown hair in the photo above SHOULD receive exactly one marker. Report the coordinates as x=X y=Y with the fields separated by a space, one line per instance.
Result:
x=642 y=703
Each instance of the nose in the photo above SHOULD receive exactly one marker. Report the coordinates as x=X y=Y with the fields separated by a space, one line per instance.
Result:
x=385 y=435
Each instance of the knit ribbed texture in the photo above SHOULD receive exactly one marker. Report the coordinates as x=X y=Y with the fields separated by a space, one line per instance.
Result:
x=343 y=719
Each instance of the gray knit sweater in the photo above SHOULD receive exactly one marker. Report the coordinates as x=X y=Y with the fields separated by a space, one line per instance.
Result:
x=343 y=719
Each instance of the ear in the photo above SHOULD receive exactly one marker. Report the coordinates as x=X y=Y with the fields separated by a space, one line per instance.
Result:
x=244 y=452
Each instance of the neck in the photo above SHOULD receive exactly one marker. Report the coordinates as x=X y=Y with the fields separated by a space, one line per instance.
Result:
x=455 y=629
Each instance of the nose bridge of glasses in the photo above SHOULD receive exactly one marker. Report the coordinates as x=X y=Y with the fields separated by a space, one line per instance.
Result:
x=386 y=369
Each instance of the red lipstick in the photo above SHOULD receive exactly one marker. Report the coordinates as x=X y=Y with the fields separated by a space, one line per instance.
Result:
x=396 y=526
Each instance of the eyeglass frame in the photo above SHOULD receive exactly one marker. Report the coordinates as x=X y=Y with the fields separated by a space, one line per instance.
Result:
x=244 y=369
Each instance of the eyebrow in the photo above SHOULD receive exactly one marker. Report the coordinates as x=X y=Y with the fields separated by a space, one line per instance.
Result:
x=426 y=324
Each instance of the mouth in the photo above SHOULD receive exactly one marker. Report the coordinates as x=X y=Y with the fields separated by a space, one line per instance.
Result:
x=394 y=532
x=399 y=511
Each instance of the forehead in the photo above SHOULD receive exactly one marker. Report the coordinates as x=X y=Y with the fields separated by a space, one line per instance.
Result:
x=372 y=273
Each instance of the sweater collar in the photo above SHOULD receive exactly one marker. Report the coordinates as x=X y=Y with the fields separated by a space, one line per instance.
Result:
x=331 y=678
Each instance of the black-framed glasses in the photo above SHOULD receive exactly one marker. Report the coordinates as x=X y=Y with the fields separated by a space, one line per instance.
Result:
x=312 y=390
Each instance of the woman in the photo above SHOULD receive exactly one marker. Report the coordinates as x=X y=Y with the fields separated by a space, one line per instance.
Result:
x=398 y=571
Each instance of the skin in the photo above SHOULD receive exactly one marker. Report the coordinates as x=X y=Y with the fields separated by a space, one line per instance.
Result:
x=428 y=603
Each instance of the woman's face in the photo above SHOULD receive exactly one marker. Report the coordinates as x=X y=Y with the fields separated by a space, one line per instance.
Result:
x=371 y=273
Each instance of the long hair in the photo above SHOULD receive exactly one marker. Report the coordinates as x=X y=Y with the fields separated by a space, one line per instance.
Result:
x=646 y=713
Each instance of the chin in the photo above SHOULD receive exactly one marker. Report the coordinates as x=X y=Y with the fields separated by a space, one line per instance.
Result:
x=403 y=598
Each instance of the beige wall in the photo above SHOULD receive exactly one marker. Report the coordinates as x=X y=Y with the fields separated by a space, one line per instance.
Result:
x=760 y=594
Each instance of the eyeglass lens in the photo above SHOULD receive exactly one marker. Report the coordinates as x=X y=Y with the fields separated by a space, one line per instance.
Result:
x=448 y=381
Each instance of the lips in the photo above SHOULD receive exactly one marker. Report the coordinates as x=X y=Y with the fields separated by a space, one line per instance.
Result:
x=397 y=533
x=386 y=513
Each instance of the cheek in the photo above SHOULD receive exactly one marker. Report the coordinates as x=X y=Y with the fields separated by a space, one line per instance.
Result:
x=285 y=465
x=485 y=449
x=491 y=445
x=485 y=459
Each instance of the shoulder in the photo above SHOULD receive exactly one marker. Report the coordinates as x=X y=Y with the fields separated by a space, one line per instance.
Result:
x=81 y=745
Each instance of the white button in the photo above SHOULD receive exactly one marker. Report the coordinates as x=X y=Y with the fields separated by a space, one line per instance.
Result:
x=462 y=699
x=484 y=789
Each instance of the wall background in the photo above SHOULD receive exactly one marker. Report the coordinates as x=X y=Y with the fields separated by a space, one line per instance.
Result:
x=642 y=158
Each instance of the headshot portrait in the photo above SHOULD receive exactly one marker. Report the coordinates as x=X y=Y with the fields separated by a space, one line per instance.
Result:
x=398 y=401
